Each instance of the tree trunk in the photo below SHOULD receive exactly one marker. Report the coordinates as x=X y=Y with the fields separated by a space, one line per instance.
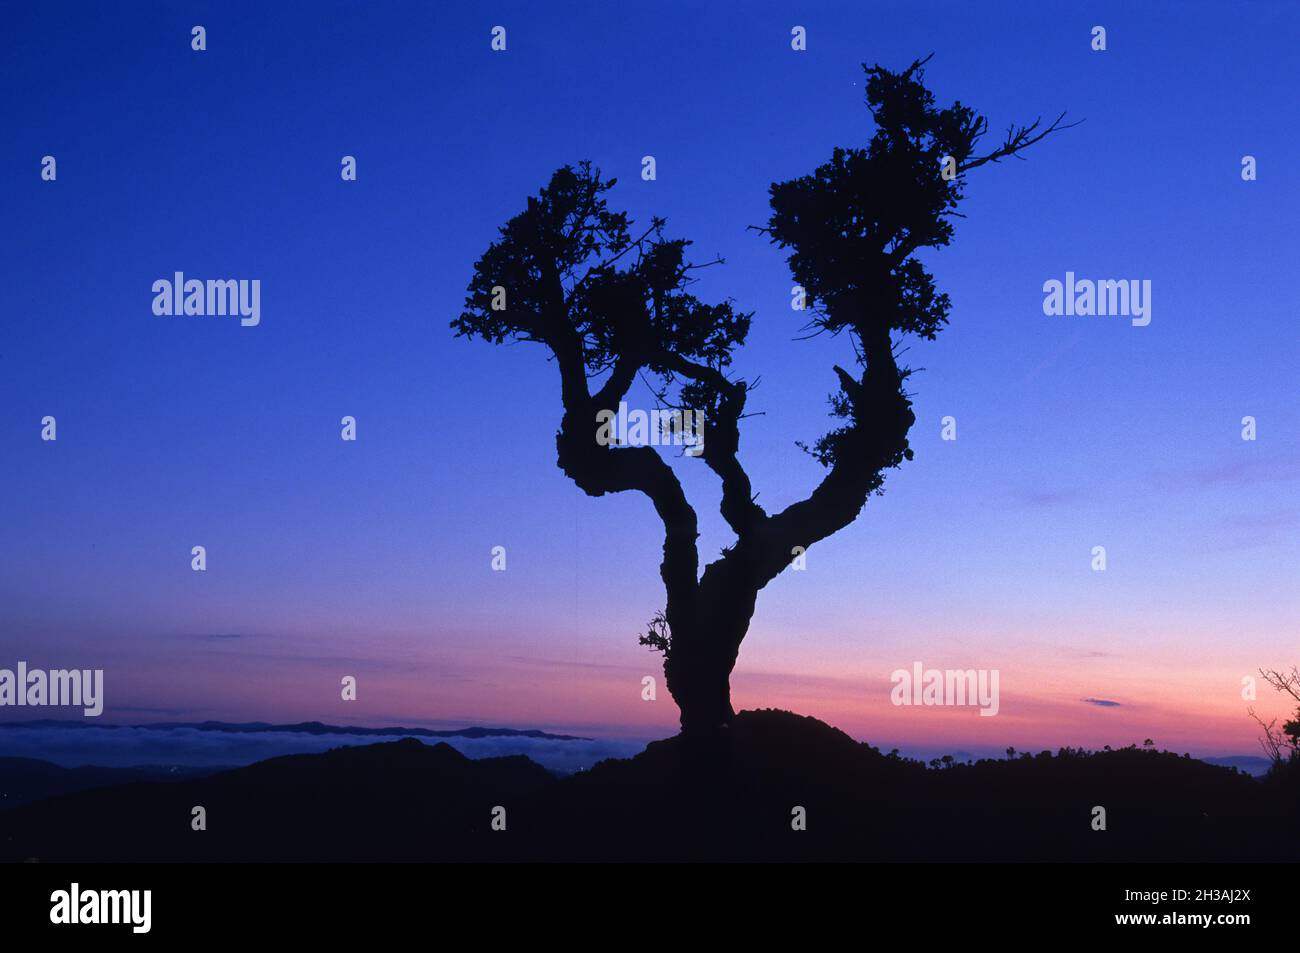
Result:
x=705 y=643
x=703 y=652
x=698 y=674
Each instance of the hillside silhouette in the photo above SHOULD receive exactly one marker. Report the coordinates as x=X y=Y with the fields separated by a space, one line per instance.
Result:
x=727 y=797
x=24 y=780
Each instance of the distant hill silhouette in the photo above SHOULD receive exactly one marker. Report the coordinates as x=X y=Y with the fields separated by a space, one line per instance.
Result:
x=728 y=797
x=24 y=780
x=302 y=727
x=1251 y=764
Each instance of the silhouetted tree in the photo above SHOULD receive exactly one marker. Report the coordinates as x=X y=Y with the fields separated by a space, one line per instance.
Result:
x=612 y=305
x=1281 y=744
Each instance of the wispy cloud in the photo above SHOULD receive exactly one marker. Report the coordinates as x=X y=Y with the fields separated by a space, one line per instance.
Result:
x=149 y=710
x=1100 y=702
x=1059 y=352
x=1246 y=472
x=221 y=636
x=1048 y=497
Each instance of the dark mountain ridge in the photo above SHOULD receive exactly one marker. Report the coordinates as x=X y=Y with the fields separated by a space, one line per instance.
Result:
x=737 y=794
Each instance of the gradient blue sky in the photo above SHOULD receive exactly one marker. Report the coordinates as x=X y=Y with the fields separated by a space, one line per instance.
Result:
x=328 y=558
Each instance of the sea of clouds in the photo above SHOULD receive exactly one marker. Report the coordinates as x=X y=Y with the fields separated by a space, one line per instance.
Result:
x=122 y=746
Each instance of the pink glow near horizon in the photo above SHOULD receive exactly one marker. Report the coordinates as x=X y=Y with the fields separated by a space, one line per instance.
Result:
x=1042 y=704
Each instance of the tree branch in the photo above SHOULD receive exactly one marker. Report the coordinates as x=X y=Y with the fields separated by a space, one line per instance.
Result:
x=722 y=447
x=1018 y=139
